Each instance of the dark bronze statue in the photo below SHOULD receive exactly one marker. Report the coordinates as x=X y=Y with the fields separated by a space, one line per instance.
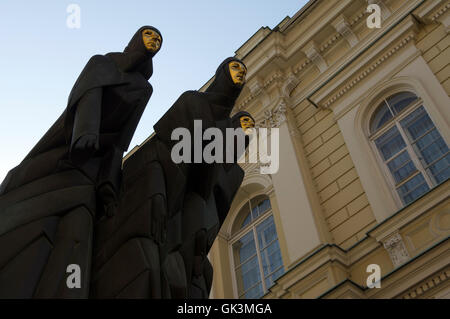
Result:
x=51 y=201
x=169 y=214
x=143 y=230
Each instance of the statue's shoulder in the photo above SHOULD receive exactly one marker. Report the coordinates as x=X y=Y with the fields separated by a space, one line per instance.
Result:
x=99 y=61
x=192 y=95
x=99 y=71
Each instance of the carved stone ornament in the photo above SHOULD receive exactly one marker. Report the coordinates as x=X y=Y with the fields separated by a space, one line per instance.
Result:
x=396 y=248
x=275 y=117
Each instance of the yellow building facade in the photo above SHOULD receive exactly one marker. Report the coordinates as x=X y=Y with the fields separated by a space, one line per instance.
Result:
x=364 y=121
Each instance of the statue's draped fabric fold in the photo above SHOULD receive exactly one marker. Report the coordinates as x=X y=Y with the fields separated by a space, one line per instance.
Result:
x=138 y=230
x=51 y=201
x=169 y=215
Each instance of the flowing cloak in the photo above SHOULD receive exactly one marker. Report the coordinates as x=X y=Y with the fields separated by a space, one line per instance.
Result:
x=100 y=72
x=169 y=214
x=48 y=204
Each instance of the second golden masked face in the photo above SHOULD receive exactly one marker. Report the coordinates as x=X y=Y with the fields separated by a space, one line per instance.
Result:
x=152 y=40
x=237 y=72
x=247 y=123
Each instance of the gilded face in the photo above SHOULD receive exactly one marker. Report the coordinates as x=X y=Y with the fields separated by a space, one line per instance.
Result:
x=152 y=40
x=237 y=72
x=247 y=123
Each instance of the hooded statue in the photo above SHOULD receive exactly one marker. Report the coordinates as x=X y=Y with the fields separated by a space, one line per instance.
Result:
x=51 y=201
x=169 y=214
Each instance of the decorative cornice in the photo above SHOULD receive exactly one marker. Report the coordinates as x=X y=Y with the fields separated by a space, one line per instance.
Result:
x=289 y=85
x=443 y=16
x=368 y=70
x=440 y=12
x=328 y=44
x=256 y=88
x=305 y=63
x=357 y=17
x=343 y=27
x=436 y=11
x=431 y=283
x=314 y=54
x=302 y=66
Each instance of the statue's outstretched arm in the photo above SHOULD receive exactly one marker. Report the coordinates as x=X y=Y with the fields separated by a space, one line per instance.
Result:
x=85 y=134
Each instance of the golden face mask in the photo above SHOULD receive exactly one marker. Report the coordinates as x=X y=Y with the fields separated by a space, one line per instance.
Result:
x=247 y=123
x=152 y=40
x=237 y=72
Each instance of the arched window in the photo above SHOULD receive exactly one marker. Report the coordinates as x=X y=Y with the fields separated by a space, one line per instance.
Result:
x=256 y=251
x=416 y=157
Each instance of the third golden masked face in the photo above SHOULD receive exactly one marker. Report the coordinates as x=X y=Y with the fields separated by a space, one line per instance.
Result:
x=237 y=72
x=247 y=123
x=152 y=40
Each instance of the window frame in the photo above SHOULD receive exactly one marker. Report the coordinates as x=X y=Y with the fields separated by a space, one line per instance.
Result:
x=395 y=121
x=237 y=235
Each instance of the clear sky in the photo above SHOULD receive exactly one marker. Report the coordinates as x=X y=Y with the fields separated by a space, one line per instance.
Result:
x=41 y=58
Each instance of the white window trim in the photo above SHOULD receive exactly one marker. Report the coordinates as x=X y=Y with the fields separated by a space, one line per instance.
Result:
x=413 y=155
x=355 y=126
x=240 y=233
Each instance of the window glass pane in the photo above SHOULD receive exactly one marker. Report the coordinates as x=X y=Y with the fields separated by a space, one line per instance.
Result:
x=245 y=216
x=250 y=273
x=429 y=145
x=413 y=189
x=441 y=169
x=260 y=205
x=247 y=220
x=254 y=293
x=398 y=102
x=255 y=212
x=264 y=206
x=266 y=232
x=382 y=116
x=417 y=124
x=271 y=279
x=434 y=151
x=390 y=143
x=244 y=248
x=402 y=167
x=271 y=258
x=427 y=139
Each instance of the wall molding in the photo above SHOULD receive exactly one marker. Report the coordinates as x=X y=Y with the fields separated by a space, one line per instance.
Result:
x=425 y=286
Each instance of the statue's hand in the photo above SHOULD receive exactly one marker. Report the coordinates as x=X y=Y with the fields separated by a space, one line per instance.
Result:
x=85 y=147
x=108 y=197
x=87 y=143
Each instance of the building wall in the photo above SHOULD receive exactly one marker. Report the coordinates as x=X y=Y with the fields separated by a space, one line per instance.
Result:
x=342 y=197
x=315 y=77
x=434 y=42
